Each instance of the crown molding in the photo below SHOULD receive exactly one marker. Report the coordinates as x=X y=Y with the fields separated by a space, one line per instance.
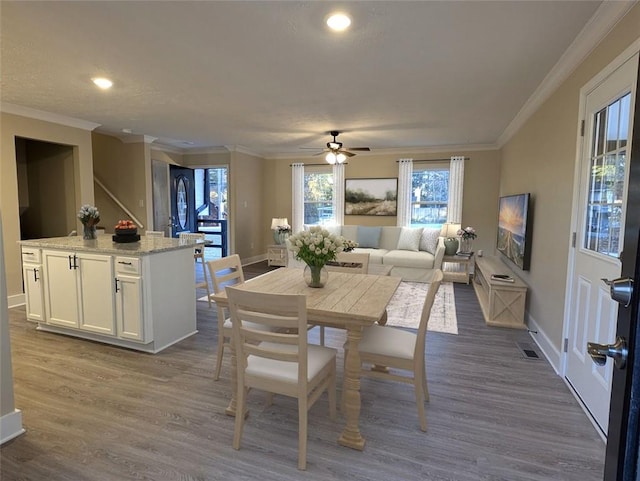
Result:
x=400 y=151
x=243 y=150
x=132 y=139
x=47 y=116
x=606 y=17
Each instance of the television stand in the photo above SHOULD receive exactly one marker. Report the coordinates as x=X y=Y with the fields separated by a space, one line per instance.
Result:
x=502 y=300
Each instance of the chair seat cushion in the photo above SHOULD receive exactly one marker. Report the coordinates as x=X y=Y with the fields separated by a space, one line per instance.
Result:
x=282 y=371
x=387 y=341
x=250 y=325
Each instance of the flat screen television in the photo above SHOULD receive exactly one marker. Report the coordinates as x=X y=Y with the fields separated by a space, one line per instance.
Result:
x=514 y=229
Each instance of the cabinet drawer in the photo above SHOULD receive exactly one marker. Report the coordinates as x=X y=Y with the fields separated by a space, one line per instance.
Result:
x=128 y=265
x=31 y=255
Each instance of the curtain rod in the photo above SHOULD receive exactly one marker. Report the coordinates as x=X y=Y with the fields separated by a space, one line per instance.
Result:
x=433 y=160
x=325 y=163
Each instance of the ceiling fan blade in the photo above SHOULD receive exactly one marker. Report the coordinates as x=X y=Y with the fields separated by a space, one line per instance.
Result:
x=347 y=153
x=361 y=149
x=311 y=148
x=319 y=153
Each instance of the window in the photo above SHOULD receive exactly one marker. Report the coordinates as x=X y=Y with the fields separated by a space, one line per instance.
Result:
x=429 y=196
x=318 y=192
x=211 y=192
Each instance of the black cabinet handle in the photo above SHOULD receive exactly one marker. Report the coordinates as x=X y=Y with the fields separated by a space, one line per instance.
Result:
x=125 y=263
x=28 y=253
x=75 y=261
x=117 y=285
x=35 y=274
x=70 y=266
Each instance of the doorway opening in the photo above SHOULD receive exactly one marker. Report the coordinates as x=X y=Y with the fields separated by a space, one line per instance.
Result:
x=212 y=206
x=46 y=189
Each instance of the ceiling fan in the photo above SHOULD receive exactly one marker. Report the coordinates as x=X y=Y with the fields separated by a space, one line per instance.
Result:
x=336 y=153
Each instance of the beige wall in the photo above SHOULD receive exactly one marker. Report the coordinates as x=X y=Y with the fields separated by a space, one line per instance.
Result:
x=540 y=159
x=124 y=170
x=12 y=126
x=479 y=205
x=247 y=196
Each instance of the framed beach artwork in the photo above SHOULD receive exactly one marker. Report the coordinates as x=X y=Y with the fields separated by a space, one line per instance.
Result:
x=371 y=196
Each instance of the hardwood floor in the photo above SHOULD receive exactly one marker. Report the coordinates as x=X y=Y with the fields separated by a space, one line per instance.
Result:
x=98 y=412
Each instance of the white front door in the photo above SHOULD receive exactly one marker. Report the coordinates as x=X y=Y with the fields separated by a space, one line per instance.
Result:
x=599 y=234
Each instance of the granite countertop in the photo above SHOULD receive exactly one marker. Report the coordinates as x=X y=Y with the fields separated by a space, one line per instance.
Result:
x=105 y=245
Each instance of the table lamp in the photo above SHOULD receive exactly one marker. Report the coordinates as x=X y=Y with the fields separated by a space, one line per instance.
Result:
x=450 y=233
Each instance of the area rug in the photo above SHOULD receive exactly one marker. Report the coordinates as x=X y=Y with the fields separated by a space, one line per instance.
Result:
x=406 y=306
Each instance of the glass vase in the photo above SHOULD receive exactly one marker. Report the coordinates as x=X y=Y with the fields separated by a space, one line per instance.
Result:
x=466 y=245
x=89 y=232
x=315 y=276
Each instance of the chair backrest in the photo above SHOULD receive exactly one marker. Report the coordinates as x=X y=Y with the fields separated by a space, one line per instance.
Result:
x=190 y=236
x=426 y=313
x=225 y=272
x=356 y=263
x=154 y=233
x=285 y=339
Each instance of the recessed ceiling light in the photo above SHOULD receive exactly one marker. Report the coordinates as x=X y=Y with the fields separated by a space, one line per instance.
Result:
x=339 y=22
x=103 y=83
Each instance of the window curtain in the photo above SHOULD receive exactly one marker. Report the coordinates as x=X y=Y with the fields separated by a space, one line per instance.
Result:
x=338 y=193
x=456 y=181
x=297 y=207
x=405 y=174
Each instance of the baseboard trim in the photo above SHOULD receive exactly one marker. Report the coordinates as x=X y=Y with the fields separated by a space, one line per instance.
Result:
x=254 y=259
x=11 y=426
x=15 y=300
x=544 y=343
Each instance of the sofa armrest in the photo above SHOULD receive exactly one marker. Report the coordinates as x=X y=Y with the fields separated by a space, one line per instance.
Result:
x=437 y=263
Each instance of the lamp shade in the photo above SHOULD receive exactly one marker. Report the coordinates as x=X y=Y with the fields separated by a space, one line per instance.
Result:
x=450 y=230
x=278 y=221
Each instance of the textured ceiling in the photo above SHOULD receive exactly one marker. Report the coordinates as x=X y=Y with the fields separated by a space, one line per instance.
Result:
x=269 y=76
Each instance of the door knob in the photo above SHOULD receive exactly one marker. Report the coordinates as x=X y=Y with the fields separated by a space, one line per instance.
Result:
x=618 y=352
x=621 y=290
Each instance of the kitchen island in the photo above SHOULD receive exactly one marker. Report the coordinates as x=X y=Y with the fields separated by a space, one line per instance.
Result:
x=138 y=295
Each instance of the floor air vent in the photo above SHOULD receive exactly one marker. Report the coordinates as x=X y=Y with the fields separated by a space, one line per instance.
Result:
x=528 y=350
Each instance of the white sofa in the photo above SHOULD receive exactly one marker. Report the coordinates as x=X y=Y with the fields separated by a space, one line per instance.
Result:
x=411 y=260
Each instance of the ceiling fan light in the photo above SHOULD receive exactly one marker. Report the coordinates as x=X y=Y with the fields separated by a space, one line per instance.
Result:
x=340 y=158
x=339 y=22
x=331 y=158
x=334 y=145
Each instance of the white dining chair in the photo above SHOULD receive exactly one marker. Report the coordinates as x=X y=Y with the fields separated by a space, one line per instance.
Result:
x=198 y=254
x=351 y=262
x=223 y=272
x=402 y=350
x=279 y=360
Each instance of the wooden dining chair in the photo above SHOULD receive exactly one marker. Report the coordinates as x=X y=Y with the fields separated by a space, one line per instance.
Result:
x=224 y=272
x=198 y=255
x=401 y=350
x=279 y=360
x=351 y=262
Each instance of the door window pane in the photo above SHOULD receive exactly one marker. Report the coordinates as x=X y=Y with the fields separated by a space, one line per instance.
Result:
x=607 y=178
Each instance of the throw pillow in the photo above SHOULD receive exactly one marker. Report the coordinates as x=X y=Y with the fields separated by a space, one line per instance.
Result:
x=409 y=239
x=429 y=240
x=369 y=237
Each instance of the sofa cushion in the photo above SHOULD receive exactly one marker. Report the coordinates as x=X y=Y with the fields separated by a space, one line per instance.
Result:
x=429 y=240
x=409 y=239
x=375 y=255
x=369 y=237
x=400 y=258
x=333 y=229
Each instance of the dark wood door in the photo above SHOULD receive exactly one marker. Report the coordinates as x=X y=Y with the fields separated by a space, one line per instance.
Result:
x=183 y=207
x=621 y=462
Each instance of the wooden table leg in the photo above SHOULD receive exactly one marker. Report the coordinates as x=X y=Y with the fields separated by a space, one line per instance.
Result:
x=383 y=320
x=351 y=436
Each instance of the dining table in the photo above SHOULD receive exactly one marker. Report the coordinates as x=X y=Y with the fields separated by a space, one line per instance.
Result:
x=347 y=301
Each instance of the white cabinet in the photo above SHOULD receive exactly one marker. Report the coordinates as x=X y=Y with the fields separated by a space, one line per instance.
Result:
x=33 y=285
x=129 y=300
x=79 y=291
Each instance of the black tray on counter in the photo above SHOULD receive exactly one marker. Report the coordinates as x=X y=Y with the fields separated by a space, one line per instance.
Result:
x=126 y=238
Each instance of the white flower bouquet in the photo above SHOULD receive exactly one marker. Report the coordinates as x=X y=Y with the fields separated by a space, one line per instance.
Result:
x=89 y=215
x=315 y=246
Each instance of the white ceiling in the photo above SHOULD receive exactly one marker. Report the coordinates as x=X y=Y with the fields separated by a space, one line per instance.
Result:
x=270 y=78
